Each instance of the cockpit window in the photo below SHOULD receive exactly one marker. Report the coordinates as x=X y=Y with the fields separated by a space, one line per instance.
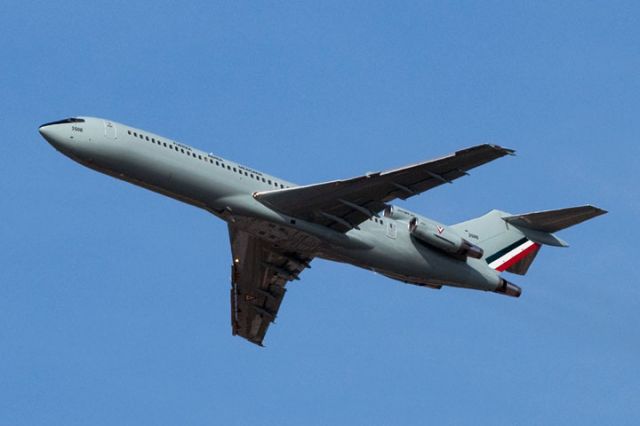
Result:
x=66 y=120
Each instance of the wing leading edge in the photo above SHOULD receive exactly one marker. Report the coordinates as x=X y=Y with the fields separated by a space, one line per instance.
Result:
x=344 y=204
x=259 y=274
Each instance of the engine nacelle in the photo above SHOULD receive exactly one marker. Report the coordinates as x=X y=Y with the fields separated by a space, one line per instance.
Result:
x=443 y=237
x=396 y=213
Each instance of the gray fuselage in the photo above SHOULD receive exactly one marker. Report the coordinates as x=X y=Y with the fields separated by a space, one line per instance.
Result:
x=226 y=189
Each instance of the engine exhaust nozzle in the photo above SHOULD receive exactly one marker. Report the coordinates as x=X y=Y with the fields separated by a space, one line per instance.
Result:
x=508 y=288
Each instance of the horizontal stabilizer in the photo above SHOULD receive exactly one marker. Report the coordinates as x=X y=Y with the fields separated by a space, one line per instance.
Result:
x=511 y=242
x=554 y=220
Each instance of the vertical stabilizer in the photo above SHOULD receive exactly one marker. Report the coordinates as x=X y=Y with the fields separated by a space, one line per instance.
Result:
x=511 y=242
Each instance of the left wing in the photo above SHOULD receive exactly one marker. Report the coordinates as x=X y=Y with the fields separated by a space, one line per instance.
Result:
x=258 y=276
x=344 y=204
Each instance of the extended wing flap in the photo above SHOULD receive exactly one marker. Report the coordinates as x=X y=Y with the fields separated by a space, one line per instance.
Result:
x=343 y=204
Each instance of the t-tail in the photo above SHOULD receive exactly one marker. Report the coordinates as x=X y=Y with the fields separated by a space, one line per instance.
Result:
x=511 y=242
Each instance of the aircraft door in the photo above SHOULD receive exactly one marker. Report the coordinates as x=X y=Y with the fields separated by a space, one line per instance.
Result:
x=110 y=130
x=392 y=229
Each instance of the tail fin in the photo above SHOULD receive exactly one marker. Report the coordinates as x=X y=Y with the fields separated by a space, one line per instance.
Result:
x=511 y=243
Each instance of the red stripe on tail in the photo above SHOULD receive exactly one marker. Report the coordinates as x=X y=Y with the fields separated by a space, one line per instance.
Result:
x=518 y=257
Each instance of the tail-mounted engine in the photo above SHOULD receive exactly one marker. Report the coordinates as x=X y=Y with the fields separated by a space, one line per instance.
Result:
x=434 y=234
x=443 y=238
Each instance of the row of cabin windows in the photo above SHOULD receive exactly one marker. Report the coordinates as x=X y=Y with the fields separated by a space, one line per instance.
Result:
x=205 y=158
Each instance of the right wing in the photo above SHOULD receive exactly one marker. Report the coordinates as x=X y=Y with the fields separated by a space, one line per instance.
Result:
x=344 y=204
x=258 y=275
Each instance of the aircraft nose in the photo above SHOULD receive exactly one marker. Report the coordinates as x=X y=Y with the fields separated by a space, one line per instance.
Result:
x=51 y=133
x=45 y=131
x=56 y=132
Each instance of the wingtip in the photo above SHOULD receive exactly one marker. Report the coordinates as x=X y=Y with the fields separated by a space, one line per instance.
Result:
x=256 y=342
x=598 y=211
x=506 y=151
x=487 y=147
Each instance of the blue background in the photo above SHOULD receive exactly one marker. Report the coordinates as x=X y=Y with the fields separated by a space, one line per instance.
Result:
x=114 y=301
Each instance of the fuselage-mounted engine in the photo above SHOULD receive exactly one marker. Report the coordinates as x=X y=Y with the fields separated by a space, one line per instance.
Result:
x=443 y=238
x=434 y=234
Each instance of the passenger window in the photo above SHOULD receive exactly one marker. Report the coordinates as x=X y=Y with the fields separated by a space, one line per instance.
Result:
x=135 y=134
x=165 y=144
x=147 y=137
x=129 y=131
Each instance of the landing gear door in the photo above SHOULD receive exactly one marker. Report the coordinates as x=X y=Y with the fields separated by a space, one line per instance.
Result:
x=110 y=130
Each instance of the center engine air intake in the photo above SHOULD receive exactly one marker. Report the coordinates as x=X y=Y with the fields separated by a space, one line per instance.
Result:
x=443 y=238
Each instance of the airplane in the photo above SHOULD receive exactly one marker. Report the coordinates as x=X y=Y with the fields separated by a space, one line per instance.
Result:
x=276 y=228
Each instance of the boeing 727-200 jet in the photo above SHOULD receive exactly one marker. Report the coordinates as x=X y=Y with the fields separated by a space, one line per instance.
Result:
x=277 y=228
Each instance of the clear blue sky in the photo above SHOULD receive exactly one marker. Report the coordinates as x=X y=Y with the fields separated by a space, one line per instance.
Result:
x=114 y=301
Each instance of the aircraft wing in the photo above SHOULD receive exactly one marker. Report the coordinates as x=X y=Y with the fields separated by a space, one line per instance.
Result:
x=258 y=277
x=343 y=204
